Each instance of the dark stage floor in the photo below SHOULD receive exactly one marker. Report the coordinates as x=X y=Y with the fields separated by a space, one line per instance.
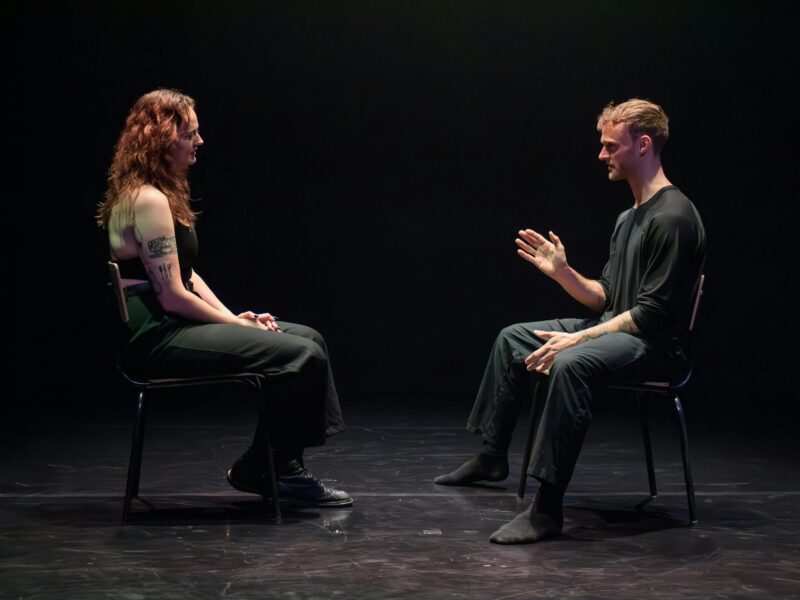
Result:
x=61 y=500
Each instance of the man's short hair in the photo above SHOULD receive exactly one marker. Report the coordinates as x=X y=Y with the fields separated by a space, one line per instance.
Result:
x=640 y=116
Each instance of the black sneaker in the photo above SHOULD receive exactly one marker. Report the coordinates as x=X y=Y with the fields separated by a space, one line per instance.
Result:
x=295 y=483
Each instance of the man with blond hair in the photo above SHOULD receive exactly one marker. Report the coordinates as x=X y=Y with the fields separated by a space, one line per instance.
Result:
x=644 y=299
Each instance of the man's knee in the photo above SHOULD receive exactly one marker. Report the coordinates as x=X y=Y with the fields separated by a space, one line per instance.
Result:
x=573 y=363
x=512 y=333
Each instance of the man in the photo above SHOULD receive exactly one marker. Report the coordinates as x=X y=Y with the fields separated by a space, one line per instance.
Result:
x=645 y=297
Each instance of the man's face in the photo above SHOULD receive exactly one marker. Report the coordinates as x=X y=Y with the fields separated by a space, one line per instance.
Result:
x=619 y=152
x=184 y=149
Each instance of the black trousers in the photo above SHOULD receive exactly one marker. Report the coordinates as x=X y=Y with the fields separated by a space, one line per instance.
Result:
x=566 y=413
x=303 y=405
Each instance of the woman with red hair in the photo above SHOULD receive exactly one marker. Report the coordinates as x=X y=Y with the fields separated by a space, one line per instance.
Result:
x=178 y=327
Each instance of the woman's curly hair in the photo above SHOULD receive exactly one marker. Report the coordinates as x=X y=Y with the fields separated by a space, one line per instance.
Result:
x=141 y=155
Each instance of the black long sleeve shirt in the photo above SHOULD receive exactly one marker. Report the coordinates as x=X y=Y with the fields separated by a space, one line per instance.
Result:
x=656 y=255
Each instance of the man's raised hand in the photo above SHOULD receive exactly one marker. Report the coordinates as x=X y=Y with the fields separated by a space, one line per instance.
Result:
x=546 y=255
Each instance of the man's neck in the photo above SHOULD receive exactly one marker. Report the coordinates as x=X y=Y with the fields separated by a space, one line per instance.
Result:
x=645 y=184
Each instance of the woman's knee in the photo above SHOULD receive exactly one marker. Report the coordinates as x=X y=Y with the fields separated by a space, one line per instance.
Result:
x=312 y=354
x=305 y=346
x=307 y=332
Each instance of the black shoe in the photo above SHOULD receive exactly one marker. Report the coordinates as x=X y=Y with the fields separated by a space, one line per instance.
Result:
x=249 y=474
x=303 y=489
x=295 y=483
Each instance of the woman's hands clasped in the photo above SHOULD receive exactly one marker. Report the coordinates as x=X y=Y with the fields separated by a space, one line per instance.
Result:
x=260 y=321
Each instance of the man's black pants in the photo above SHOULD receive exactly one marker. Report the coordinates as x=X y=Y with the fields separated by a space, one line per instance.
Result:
x=566 y=414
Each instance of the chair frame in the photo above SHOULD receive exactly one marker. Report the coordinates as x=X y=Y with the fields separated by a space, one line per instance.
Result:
x=253 y=381
x=661 y=388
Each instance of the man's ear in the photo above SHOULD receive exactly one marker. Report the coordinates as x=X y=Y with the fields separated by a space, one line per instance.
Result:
x=645 y=143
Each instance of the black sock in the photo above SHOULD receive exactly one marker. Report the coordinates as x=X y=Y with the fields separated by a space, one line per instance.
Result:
x=550 y=499
x=481 y=467
x=489 y=449
x=543 y=519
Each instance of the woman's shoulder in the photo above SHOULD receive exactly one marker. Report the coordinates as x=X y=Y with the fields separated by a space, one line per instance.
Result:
x=150 y=203
x=147 y=198
x=148 y=194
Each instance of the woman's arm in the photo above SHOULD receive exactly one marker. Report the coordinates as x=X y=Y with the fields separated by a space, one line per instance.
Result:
x=201 y=287
x=155 y=239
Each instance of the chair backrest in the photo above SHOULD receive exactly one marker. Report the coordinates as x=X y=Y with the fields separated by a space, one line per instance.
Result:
x=119 y=292
x=697 y=297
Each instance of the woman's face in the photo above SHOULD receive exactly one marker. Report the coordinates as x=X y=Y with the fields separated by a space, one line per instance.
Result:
x=184 y=150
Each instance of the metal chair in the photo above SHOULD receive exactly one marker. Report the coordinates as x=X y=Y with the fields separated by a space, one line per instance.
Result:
x=252 y=380
x=661 y=388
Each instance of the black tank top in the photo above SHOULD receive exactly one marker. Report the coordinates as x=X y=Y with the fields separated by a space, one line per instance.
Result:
x=186 y=244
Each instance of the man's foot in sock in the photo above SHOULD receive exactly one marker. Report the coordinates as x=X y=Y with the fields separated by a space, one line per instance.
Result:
x=480 y=467
x=529 y=526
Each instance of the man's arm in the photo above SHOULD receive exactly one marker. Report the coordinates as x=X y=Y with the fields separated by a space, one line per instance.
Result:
x=588 y=292
x=550 y=257
x=542 y=359
x=622 y=323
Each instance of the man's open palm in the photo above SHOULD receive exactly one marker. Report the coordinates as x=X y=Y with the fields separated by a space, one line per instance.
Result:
x=546 y=255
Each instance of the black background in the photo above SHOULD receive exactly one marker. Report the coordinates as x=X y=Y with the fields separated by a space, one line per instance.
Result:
x=367 y=166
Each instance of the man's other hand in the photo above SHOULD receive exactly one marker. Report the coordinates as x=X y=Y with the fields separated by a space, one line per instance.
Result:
x=542 y=359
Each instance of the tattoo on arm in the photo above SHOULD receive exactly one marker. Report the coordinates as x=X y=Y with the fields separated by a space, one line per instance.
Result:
x=165 y=270
x=594 y=332
x=161 y=246
x=626 y=325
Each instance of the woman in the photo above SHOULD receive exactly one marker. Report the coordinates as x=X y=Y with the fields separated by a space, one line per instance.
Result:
x=178 y=327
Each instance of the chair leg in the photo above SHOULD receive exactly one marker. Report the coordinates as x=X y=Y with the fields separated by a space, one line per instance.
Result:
x=273 y=479
x=644 y=413
x=536 y=408
x=687 y=468
x=135 y=463
x=273 y=484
